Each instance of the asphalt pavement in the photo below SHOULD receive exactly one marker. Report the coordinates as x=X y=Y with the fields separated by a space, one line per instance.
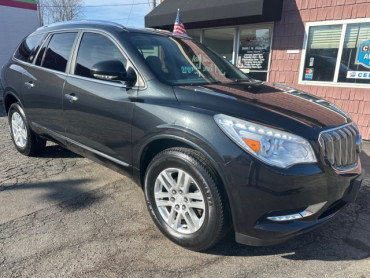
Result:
x=62 y=215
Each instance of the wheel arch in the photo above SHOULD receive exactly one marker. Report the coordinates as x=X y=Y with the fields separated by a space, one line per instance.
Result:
x=165 y=141
x=9 y=98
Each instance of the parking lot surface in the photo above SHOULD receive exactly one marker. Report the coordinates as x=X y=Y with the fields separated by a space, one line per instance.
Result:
x=65 y=216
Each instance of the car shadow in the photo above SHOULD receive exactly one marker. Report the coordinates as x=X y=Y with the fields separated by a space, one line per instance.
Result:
x=67 y=193
x=53 y=150
x=345 y=237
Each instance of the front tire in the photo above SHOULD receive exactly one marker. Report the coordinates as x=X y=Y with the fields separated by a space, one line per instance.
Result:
x=24 y=139
x=184 y=199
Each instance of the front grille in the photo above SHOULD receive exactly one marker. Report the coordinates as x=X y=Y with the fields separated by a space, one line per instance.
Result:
x=340 y=146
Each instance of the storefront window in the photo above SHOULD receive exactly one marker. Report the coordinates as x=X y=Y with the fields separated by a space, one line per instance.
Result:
x=194 y=34
x=324 y=45
x=355 y=67
x=322 y=51
x=220 y=40
x=254 y=50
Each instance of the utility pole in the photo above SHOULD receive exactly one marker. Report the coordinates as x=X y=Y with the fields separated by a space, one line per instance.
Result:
x=153 y=4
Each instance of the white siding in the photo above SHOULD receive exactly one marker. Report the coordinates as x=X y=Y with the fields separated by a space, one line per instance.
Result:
x=15 y=24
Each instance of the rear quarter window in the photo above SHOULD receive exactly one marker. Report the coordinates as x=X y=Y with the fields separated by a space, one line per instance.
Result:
x=28 y=48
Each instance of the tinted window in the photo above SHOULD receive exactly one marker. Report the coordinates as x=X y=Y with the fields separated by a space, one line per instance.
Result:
x=95 y=48
x=28 y=47
x=58 y=51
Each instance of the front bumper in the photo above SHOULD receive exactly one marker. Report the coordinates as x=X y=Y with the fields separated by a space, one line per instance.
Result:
x=262 y=192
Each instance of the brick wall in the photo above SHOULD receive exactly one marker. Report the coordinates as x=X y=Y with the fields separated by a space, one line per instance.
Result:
x=289 y=34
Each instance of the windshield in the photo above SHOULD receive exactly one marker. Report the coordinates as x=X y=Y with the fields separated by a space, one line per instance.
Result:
x=180 y=61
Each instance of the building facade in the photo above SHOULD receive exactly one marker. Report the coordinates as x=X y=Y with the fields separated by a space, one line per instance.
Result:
x=17 y=20
x=318 y=46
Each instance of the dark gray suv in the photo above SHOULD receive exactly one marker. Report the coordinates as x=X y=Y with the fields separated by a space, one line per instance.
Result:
x=212 y=148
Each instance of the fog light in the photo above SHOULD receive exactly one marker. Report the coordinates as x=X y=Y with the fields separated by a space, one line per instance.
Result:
x=310 y=210
x=288 y=217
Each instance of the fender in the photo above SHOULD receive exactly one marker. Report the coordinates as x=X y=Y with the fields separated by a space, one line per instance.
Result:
x=181 y=134
x=9 y=92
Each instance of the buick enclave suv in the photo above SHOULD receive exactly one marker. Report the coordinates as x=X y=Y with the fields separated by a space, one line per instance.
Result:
x=212 y=148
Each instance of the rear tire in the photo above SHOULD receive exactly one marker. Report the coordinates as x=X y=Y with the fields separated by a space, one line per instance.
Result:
x=184 y=199
x=24 y=139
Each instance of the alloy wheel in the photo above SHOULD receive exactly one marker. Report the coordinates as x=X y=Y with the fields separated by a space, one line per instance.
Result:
x=179 y=200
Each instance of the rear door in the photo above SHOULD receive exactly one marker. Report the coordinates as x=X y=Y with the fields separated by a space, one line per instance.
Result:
x=98 y=113
x=44 y=82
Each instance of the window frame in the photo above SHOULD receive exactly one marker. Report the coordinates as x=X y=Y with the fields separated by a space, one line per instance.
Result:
x=236 y=40
x=73 y=60
x=34 y=52
x=334 y=83
x=48 y=39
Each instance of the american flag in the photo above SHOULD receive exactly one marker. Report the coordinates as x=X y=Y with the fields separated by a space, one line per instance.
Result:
x=179 y=26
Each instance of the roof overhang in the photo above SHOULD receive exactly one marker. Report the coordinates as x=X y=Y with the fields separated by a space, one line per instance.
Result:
x=213 y=13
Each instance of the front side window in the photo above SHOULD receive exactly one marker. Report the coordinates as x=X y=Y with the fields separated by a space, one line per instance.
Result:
x=96 y=48
x=180 y=61
x=330 y=58
x=27 y=49
x=58 y=51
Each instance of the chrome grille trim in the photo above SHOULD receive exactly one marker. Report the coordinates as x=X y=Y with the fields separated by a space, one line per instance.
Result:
x=340 y=147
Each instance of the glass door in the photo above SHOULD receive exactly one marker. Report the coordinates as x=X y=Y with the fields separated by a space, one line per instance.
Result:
x=254 y=50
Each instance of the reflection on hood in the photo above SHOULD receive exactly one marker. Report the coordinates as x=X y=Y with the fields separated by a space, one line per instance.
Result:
x=287 y=102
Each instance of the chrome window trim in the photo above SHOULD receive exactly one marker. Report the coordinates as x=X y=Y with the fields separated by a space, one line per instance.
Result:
x=72 y=58
x=62 y=137
x=48 y=70
x=121 y=85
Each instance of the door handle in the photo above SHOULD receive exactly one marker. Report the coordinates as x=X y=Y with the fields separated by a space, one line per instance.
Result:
x=71 y=97
x=29 y=84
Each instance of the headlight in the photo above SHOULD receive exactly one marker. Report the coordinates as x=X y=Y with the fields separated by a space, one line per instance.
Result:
x=272 y=146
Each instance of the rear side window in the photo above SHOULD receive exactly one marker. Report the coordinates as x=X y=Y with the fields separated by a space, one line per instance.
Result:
x=58 y=51
x=95 y=48
x=29 y=46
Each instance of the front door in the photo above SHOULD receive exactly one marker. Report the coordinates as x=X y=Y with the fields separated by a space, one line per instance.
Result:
x=97 y=114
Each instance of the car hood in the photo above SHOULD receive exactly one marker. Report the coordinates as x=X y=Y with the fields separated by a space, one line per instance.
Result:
x=271 y=104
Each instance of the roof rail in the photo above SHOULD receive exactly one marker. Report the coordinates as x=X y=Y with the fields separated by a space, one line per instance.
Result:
x=81 y=21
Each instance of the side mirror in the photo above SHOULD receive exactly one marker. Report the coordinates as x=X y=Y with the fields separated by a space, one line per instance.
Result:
x=111 y=70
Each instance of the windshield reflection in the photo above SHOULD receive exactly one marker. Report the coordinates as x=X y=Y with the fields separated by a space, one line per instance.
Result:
x=180 y=61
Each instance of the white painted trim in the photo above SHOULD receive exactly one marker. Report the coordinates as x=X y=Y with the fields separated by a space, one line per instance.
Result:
x=334 y=22
x=293 y=51
x=303 y=55
x=340 y=52
x=334 y=83
x=270 y=54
